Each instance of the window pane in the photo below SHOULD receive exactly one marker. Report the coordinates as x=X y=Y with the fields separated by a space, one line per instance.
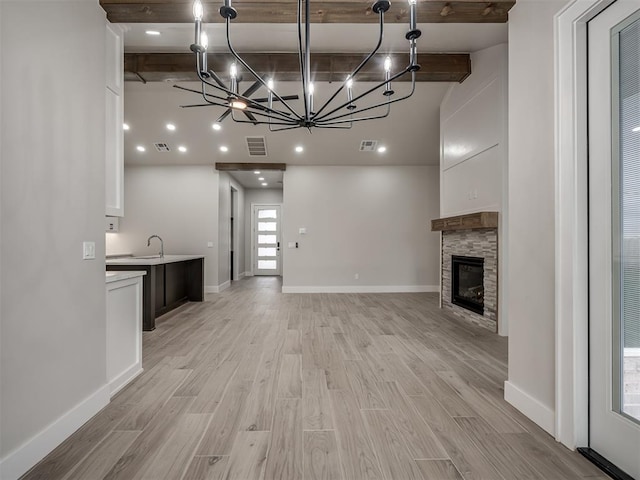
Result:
x=628 y=236
x=267 y=226
x=266 y=252
x=267 y=264
x=267 y=214
x=267 y=239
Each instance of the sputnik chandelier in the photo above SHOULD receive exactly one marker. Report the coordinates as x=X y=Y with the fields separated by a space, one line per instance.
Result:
x=334 y=113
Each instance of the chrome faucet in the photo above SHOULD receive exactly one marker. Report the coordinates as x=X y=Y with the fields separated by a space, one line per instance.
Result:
x=161 y=244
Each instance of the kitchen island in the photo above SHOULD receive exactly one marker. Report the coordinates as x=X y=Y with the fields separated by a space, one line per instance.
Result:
x=169 y=282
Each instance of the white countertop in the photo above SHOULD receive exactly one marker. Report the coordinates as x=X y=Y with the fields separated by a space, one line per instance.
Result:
x=114 y=276
x=155 y=260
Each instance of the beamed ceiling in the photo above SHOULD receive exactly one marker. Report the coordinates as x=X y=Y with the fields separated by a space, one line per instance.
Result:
x=436 y=67
x=339 y=11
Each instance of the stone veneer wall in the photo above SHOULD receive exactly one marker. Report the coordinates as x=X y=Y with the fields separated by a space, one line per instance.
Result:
x=473 y=243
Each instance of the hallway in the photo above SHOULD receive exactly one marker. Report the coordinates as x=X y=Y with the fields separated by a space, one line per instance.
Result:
x=255 y=384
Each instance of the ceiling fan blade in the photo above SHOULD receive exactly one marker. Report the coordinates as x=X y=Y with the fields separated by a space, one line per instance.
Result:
x=224 y=115
x=285 y=98
x=251 y=117
x=255 y=86
x=203 y=105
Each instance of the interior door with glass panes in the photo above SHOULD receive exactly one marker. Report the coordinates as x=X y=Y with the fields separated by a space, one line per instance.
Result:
x=266 y=234
x=614 y=236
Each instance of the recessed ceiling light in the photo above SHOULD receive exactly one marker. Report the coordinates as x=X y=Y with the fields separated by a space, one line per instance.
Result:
x=171 y=126
x=182 y=148
x=140 y=148
x=257 y=172
x=264 y=184
x=152 y=32
x=261 y=178
x=224 y=148
x=637 y=129
x=125 y=126
x=216 y=126
x=382 y=149
x=299 y=149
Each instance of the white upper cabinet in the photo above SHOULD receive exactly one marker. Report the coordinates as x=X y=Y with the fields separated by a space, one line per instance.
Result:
x=115 y=59
x=114 y=139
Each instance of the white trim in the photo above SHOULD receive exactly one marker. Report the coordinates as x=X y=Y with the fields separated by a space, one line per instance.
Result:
x=532 y=408
x=123 y=379
x=240 y=275
x=571 y=220
x=248 y=274
x=217 y=288
x=363 y=289
x=37 y=447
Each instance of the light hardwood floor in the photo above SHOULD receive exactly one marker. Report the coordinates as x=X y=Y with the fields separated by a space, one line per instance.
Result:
x=255 y=384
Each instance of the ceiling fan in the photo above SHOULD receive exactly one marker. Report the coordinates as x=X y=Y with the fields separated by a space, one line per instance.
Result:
x=240 y=102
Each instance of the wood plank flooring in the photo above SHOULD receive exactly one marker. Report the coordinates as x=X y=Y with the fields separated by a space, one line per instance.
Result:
x=255 y=384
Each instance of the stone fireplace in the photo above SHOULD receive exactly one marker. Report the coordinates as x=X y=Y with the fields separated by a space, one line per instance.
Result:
x=469 y=267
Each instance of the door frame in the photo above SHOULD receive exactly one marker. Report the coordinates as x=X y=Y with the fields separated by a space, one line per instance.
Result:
x=572 y=221
x=253 y=237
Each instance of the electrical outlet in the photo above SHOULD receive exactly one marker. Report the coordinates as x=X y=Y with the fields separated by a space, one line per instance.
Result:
x=356 y=276
x=209 y=244
x=88 y=250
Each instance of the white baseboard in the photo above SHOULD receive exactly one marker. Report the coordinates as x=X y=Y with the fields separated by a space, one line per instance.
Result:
x=36 y=448
x=248 y=274
x=363 y=289
x=124 y=378
x=532 y=408
x=240 y=275
x=217 y=288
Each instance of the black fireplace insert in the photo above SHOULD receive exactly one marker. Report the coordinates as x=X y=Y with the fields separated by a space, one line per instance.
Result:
x=467 y=286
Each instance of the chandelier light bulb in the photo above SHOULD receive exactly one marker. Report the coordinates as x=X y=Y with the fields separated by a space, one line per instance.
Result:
x=198 y=11
x=233 y=71
x=387 y=64
x=270 y=84
x=413 y=2
x=204 y=40
x=311 y=89
x=238 y=104
x=349 y=83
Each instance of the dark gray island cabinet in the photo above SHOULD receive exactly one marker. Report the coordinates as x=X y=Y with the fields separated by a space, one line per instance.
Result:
x=170 y=281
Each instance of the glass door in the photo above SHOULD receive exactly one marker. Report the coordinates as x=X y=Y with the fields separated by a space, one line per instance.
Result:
x=266 y=232
x=614 y=235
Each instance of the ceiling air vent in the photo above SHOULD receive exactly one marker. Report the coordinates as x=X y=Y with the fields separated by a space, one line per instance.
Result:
x=161 y=147
x=257 y=146
x=368 y=145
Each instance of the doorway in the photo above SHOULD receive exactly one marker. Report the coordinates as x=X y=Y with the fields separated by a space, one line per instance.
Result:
x=266 y=235
x=614 y=237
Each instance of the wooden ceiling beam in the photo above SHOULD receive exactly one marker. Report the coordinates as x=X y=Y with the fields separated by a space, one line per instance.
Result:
x=327 y=67
x=339 y=11
x=244 y=167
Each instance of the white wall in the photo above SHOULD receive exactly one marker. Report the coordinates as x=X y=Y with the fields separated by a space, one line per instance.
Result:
x=224 y=228
x=178 y=203
x=473 y=132
x=373 y=221
x=53 y=364
x=254 y=196
x=531 y=302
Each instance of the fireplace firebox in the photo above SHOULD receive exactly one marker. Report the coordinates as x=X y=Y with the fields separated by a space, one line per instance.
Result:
x=467 y=285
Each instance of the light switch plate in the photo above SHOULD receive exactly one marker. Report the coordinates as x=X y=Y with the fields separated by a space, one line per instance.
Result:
x=209 y=244
x=88 y=250
x=302 y=231
x=291 y=244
